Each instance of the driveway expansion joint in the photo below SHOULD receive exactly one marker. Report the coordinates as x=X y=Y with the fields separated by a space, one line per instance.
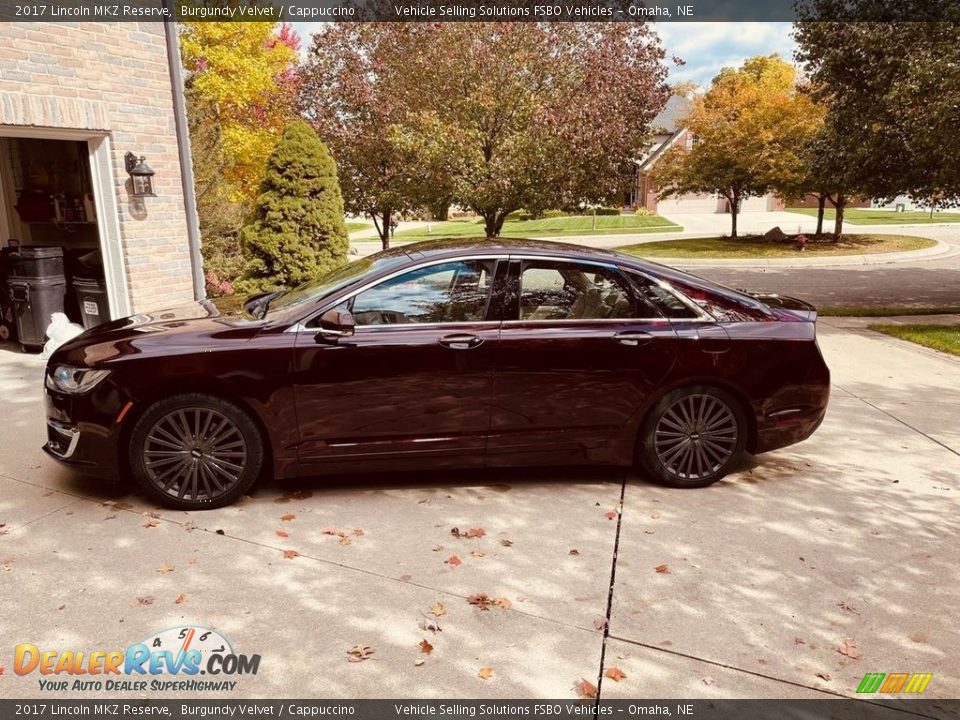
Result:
x=610 y=588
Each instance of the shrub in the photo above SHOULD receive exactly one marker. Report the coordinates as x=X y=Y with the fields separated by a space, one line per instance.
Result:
x=299 y=231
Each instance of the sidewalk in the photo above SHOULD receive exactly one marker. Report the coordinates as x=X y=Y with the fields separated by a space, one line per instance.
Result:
x=808 y=568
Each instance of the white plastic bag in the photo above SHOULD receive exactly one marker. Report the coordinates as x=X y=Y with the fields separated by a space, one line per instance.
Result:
x=59 y=331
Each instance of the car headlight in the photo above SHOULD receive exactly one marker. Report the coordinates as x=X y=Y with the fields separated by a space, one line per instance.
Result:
x=74 y=380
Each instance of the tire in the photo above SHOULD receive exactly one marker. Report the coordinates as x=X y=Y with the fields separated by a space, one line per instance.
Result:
x=692 y=437
x=195 y=452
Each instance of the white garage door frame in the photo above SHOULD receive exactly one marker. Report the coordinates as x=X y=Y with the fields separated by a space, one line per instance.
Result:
x=689 y=203
x=103 y=182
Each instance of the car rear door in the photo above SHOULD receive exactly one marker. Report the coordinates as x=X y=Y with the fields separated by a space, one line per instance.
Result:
x=579 y=353
x=414 y=381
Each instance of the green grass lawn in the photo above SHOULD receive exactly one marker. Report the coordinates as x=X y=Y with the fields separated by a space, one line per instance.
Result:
x=867 y=216
x=354 y=226
x=571 y=226
x=945 y=338
x=757 y=247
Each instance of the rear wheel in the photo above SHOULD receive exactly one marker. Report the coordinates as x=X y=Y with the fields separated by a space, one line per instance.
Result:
x=693 y=437
x=195 y=452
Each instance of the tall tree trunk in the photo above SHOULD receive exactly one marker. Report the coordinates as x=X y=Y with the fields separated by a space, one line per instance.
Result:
x=840 y=205
x=734 y=212
x=493 y=222
x=821 y=208
x=385 y=229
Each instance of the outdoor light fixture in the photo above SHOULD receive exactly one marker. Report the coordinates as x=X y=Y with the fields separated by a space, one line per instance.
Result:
x=141 y=174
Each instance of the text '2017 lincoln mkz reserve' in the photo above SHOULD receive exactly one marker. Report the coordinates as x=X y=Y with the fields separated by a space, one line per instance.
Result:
x=449 y=354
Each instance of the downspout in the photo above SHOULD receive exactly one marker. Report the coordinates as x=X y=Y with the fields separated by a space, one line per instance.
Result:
x=183 y=150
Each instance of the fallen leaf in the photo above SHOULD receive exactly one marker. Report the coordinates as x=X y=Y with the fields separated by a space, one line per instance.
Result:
x=824 y=676
x=220 y=532
x=799 y=641
x=600 y=622
x=143 y=601
x=430 y=624
x=282 y=534
x=485 y=673
x=586 y=689
x=425 y=647
x=330 y=531
x=152 y=522
x=612 y=515
x=476 y=533
x=358 y=531
x=478 y=553
x=438 y=610
x=405 y=578
x=359 y=653
x=166 y=569
x=181 y=599
x=290 y=554
x=418 y=662
x=481 y=600
x=707 y=680
x=150 y=513
x=60 y=607
x=189 y=526
x=438 y=548
x=662 y=568
x=502 y=603
x=287 y=517
x=615 y=674
x=849 y=608
x=573 y=551
x=506 y=543
x=849 y=648
x=648 y=532
x=2 y=670
x=453 y=561
x=344 y=541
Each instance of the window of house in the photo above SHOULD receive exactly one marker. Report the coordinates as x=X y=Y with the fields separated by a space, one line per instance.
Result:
x=445 y=293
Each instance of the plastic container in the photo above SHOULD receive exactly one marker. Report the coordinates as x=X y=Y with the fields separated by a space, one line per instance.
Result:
x=34 y=300
x=92 y=300
x=37 y=261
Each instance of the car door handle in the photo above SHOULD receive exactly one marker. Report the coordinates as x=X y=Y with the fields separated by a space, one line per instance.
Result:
x=460 y=341
x=633 y=337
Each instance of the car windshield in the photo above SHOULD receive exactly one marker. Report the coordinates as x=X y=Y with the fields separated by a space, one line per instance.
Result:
x=309 y=293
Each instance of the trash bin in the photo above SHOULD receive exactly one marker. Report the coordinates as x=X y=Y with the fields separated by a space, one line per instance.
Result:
x=34 y=300
x=8 y=327
x=37 y=261
x=92 y=299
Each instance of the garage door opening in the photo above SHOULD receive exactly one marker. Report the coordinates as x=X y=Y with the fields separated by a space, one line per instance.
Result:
x=56 y=234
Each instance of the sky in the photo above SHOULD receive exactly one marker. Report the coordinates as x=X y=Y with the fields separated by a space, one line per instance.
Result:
x=706 y=47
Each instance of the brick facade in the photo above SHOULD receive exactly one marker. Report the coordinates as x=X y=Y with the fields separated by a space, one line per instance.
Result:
x=110 y=78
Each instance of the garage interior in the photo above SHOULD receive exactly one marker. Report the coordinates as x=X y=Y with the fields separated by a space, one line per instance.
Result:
x=51 y=258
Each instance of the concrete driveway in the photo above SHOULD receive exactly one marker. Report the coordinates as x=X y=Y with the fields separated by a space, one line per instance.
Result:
x=792 y=578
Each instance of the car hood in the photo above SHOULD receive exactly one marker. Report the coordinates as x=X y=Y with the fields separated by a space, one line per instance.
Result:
x=191 y=327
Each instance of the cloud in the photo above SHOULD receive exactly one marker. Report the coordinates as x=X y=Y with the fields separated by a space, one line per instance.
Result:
x=710 y=46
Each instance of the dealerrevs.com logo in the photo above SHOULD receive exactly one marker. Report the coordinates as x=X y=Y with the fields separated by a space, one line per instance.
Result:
x=184 y=659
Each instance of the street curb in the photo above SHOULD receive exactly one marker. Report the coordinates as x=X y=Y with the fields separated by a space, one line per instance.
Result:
x=939 y=251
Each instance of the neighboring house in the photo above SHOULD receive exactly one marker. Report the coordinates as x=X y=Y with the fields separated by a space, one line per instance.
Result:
x=669 y=132
x=75 y=99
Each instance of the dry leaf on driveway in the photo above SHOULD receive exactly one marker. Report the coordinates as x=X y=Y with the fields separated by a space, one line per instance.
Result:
x=425 y=647
x=287 y=517
x=849 y=608
x=166 y=569
x=282 y=534
x=573 y=551
x=478 y=553
x=290 y=554
x=615 y=674
x=181 y=599
x=359 y=653
x=143 y=600
x=662 y=568
x=485 y=672
x=585 y=688
x=481 y=600
x=152 y=522
x=612 y=515
x=825 y=676
x=506 y=543
x=438 y=610
x=849 y=648
x=502 y=603
x=430 y=624
x=453 y=561
x=600 y=622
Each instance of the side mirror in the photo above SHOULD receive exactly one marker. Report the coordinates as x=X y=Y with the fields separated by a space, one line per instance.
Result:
x=335 y=324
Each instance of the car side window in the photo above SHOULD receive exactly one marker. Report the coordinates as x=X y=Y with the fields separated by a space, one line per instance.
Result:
x=572 y=291
x=661 y=300
x=445 y=293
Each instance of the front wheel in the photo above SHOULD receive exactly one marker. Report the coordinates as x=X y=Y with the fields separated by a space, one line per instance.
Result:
x=195 y=452
x=693 y=437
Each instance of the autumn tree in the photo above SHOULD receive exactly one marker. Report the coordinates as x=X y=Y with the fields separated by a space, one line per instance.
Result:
x=299 y=232
x=891 y=90
x=490 y=116
x=748 y=126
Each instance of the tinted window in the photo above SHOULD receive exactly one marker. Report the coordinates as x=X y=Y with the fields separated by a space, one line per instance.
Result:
x=570 y=291
x=449 y=292
x=659 y=300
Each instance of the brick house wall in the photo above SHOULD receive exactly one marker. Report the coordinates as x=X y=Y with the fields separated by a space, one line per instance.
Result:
x=113 y=79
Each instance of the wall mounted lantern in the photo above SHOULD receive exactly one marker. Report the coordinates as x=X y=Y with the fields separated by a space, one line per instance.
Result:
x=141 y=174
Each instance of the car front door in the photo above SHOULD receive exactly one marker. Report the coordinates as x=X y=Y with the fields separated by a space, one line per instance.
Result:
x=580 y=350
x=413 y=381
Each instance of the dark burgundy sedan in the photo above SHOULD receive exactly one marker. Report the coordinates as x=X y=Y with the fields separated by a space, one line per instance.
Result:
x=448 y=354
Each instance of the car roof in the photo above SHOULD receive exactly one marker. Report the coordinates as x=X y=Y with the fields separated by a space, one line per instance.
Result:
x=451 y=247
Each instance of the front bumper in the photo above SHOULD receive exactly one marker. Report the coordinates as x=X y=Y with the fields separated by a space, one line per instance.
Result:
x=82 y=431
